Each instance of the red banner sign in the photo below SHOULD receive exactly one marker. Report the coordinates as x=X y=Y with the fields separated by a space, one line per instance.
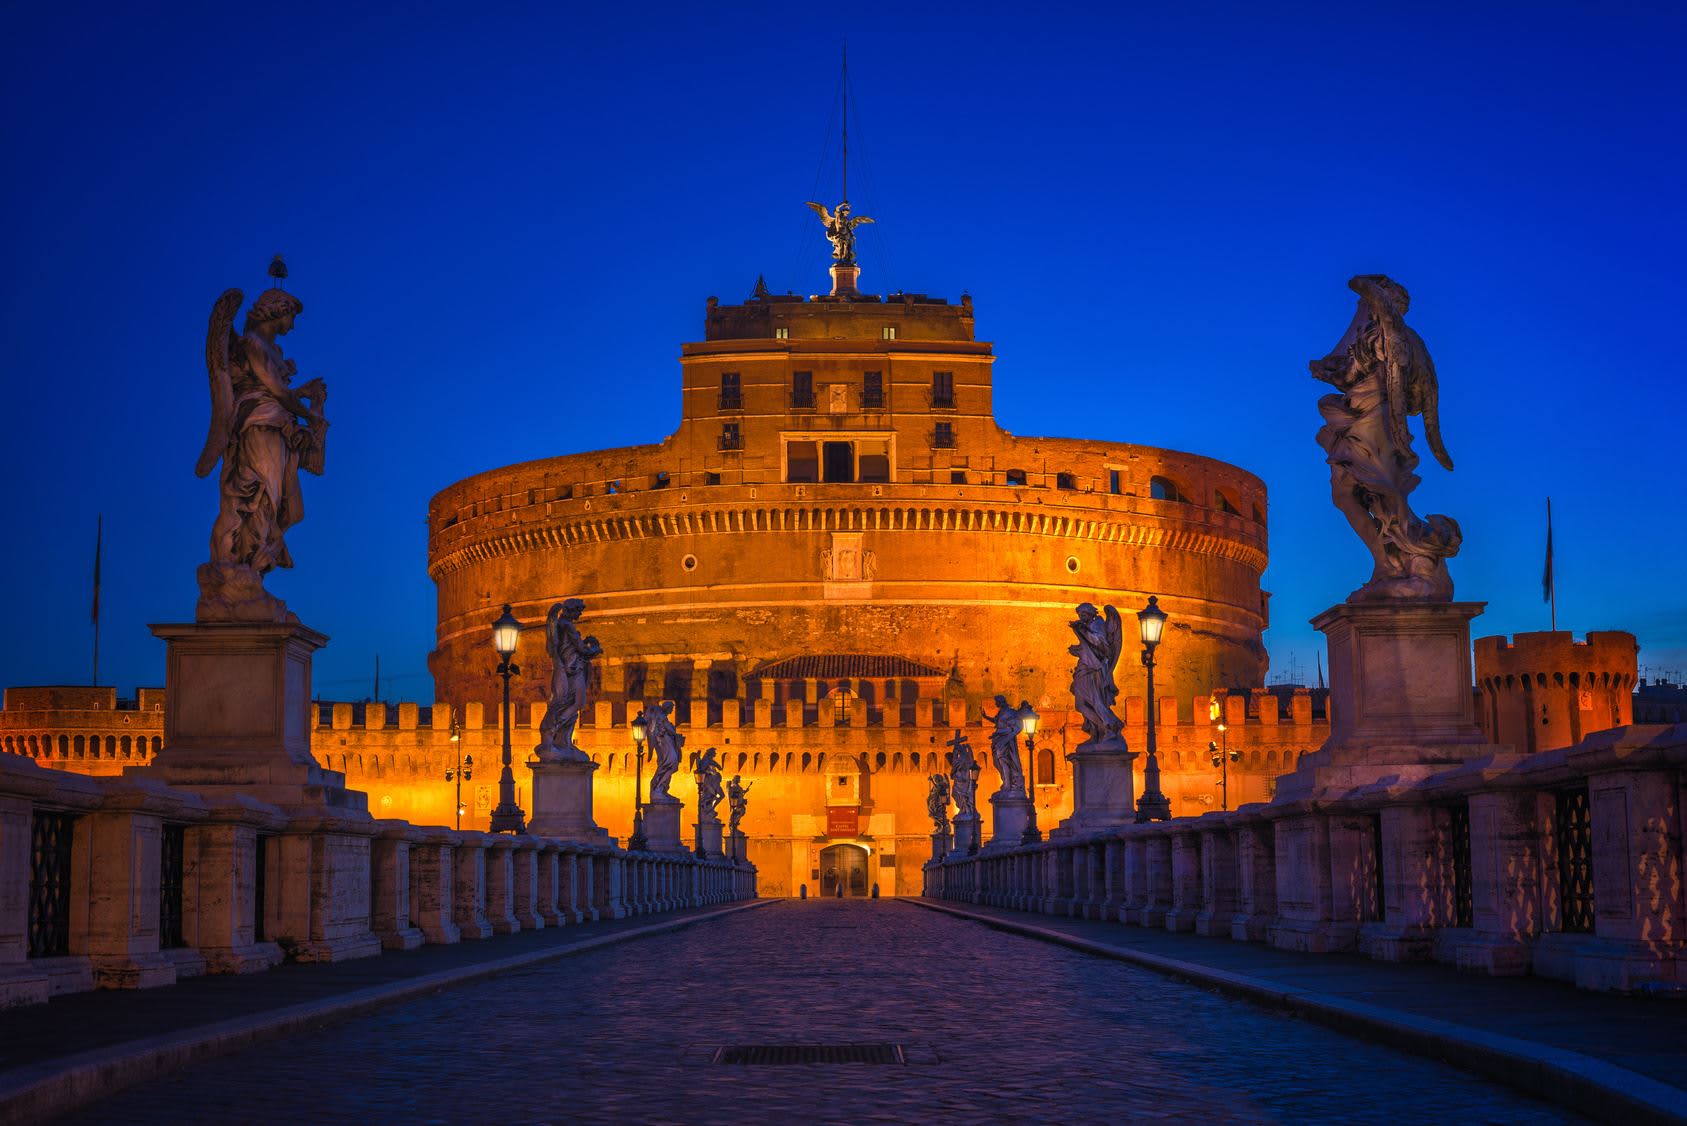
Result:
x=843 y=821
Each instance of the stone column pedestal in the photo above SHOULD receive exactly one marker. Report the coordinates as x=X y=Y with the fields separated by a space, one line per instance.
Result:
x=1400 y=698
x=939 y=844
x=967 y=833
x=740 y=846
x=562 y=802
x=1103 y=789
x=1013 y=814
x=661 y=825
x=709 y=838
x=237 y=715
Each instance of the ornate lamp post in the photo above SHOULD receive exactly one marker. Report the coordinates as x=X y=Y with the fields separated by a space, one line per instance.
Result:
x=464 y=771
x=1028 y=724
x=637 y=842
x=1222 y=757
x=1152 y=805
x=507 y=818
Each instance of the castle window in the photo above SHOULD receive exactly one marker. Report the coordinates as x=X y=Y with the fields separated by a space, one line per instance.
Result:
x=873 y=391
x=943 y=390
x=957 y=476
x=1113 y=485
x=1065 y=481
x=1164 y=488
x=838 y=462
x=802 y=462
x=890 y=332
x=1045 y=767
x=1223 y=503
x=730 y=438
x=1016 y=476
x=943 y=437
x=711 y=478
x=731 y=391
x=660 y=481
x=782 y=333
x=802 y=389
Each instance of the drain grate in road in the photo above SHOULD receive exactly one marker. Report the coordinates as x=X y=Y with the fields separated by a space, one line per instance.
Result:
x=756 y=1055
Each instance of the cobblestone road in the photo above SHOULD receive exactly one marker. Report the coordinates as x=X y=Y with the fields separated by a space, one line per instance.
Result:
x=997 y=1028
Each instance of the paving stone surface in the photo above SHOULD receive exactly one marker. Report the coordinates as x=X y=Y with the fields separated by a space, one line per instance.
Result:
x=997 y=1028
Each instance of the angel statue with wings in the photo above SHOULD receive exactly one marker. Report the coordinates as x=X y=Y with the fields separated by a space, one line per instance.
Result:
x=737 y=801
x=1100 y=640
x=709 y=791
x=666 y=744
x=571 y=676
x=263 y=430
x=1383 y=374
x=840 y=230
x=1007 y=723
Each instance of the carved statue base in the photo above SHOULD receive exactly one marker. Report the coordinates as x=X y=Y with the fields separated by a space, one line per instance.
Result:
x=661 y=825
x=1103 y=789
x=967 y=834
x=709 y=838
x=562 y=802
x=1400 y=698
x=234 y=592
x=1013 y=814
x=237 y=715
x=740 y=845
x=940 y=844
x=845 y=276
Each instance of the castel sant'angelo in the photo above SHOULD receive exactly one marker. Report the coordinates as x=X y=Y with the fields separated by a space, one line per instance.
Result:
x=836 y=560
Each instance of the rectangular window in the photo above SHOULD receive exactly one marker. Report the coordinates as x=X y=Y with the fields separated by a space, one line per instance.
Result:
x=873 y=391
x=1065 y=481
x=730 y=438
x=943 y=438
x=660 y=481
x=731 y=392
x=1113 y=485
x=943 y=389
x=957 y=476
x=802 y=388
x=890 y=332
x=711 y=478
x=781 y=333
x=872 y=462
x=802 y=462
x=1016 y=476
x=838 y=462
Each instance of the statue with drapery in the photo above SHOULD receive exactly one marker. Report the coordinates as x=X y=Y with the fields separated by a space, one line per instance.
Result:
x=1094 y=690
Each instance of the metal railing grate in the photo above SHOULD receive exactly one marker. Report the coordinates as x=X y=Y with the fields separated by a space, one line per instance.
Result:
x=1463 y=904
x=170 y=852
x=49 y=884
x=1575 y=862
x=757 y=1055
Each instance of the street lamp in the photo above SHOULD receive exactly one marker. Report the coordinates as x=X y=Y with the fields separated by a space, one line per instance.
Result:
x=507 y=818
x=636 y=842
x=1028 y=724
x=1222 y=757
x=1152 y=806
x=464 y=770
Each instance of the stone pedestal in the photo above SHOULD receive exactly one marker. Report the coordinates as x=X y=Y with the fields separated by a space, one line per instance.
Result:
x=237 y=715
x=741 y=846
x=1103 y=790
x=846 y=277
x=940 y=844
x=1013 y=814
x=562 y=802
x=709 y=838
x=661 y=825
x=1400 y=696
x=967 y=833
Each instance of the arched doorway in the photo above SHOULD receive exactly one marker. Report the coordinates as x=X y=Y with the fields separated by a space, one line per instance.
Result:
x=843 y=865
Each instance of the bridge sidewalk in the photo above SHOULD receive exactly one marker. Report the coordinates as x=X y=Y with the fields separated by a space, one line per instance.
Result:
x=83 y=1046
x=1543 y=1036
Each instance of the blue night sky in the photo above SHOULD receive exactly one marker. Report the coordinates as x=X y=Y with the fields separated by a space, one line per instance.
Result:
x=504 y=222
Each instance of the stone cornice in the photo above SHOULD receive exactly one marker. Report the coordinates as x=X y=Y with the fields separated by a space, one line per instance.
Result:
x=902 y=516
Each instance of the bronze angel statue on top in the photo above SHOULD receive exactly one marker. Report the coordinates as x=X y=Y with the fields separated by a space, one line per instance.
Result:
x=840 y=230
x=263 y=430
x=1383 y=374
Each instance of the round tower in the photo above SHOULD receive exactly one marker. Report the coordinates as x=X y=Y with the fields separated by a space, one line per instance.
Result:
x=1542 y=691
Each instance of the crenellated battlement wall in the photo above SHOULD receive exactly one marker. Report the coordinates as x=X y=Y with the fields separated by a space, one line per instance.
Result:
x=1541 y=691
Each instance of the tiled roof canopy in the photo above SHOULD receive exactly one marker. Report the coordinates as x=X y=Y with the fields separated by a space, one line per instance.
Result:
x=845 y=666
